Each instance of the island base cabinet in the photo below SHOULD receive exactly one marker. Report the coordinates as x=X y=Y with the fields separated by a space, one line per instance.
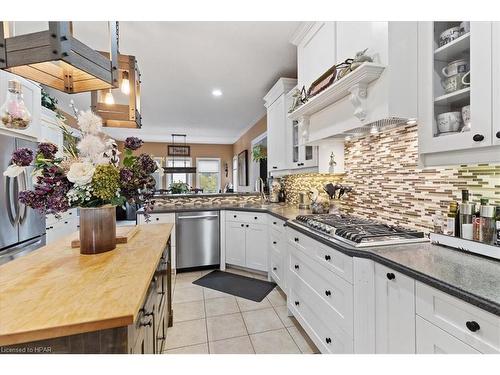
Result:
x=433 y=340
x=394 y=312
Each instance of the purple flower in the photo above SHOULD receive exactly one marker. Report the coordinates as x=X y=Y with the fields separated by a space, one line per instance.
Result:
x=133 y=143
x=22 y=157
x=126 y=175
x=48 y=150
x=146 y=164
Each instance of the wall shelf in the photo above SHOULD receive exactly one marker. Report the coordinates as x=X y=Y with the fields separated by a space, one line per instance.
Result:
x=362 y=76
x=454 y=49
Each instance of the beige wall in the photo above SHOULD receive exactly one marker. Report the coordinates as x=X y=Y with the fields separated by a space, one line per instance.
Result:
x=245 y=141
x=224 y=152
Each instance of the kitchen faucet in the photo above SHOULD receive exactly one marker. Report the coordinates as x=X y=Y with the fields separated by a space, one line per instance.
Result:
x=263 y=197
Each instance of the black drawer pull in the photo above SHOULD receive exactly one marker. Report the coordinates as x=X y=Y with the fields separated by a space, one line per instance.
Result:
x=498 y=134
x=65 y=222
x=296 y=239
x=274 y=242
x=275 y=268
x=328 y=340
x=157 y=219
x=473 y=326
x=296 y=266
x=328 y=257
x=297 y=303
x=275 y=167
x=328 y=293
x=478 y=138
x=391 y=276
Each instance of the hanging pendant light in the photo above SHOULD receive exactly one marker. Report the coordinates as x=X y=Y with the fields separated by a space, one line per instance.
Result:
x=109 y=98
x=55 y=58
x=125 y=113
x=184 y=169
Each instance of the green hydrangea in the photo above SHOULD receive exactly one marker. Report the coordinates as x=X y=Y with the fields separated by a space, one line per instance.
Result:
x=106 y=182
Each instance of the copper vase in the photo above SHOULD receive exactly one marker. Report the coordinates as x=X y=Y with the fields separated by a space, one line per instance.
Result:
x=97 y=229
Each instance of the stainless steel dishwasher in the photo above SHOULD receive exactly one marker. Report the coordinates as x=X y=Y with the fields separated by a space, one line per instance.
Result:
x=197 y=239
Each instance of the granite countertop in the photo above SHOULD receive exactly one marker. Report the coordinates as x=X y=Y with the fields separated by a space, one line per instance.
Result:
x=206 y=195
x=472 y=278
x=55 y=291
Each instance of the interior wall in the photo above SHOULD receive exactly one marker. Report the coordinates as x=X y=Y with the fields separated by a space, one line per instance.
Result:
x=245 y=143
x=222 y=151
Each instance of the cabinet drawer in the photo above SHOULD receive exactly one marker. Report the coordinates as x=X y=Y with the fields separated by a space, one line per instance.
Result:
x=246 y=217
x=327 y=292
x=329 y=340
x=276 y=224
x=468 y=323
x=338 y=263
x=276 y=269
x=162 y=218
x=276 y=243
x=433 y=340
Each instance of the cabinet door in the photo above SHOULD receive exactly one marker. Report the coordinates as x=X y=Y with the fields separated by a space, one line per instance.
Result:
x=308 y=156
x=394 y=312
x=235 y=243
x=53 y=134
x=316 y=53
x=496 y=83
x=443 y=122
x=276 y=122
x=32 y=98
x=256 y=246
x=433 y=340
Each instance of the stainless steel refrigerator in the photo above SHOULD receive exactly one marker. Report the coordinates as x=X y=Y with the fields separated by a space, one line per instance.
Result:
x=22 y=229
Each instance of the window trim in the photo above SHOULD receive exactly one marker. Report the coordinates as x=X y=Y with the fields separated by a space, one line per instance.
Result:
x=219 y=180
x=189 y=177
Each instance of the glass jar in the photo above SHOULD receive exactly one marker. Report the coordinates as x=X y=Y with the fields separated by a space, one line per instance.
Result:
x=487 y=231
x=13 y=113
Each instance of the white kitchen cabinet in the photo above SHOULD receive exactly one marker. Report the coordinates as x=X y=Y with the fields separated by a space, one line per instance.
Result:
x=315 y=43
x=277 y=124
x=394 y=312
x=496 y=82
x=32 y=98
x=66 y=224
x=433 y=340
x=477 y=140
x=246 y=241
x=50 y=130
x=235 y=243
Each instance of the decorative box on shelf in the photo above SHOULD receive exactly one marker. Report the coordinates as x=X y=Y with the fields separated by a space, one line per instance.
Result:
x=466 y=245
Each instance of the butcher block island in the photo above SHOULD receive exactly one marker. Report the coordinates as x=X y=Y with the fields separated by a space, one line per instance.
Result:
x=58 y=301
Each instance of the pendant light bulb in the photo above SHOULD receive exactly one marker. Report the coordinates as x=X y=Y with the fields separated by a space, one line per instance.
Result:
x=125 y=85
x=109 y=99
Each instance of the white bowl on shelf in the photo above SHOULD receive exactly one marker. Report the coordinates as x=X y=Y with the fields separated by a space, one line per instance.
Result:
x=448 y=122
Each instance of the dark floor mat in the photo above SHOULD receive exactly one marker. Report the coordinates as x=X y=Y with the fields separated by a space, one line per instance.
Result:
x=237 y=285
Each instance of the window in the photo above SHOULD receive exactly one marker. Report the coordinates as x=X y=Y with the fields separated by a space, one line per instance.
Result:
x=208 y=175
x=179 y=177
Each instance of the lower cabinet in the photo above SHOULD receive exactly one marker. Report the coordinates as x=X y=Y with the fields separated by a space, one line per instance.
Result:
x=67 y=224
x=394 y=312
x=246 y=245
x=433 y=340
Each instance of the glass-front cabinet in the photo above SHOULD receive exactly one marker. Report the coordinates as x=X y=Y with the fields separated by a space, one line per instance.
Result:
x=455 y=70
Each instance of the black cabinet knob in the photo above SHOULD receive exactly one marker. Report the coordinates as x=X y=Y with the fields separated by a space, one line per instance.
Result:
x=157 y=219
x=255 y=217
x=498 y=134
x=328 y=293
x=296 y=239
x=274 y=223
x=242 y=225
x=275 y=167
x=234 y=216
x=297 y=303
x=296 y=266
x=65 y=222
x=478 y=138
x=328 y=257
x=391 y=276
x=274 y=268
x=274 y=242
x=473 y=326
x=248 y=225
x=328 y=340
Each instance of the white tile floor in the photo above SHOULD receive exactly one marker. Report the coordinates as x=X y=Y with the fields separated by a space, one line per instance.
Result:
x=208 y=321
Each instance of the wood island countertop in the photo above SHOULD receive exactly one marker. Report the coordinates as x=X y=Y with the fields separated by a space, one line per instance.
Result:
x=54 y=291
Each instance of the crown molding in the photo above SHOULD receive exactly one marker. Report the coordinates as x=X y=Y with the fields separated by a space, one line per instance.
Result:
x=301 y=32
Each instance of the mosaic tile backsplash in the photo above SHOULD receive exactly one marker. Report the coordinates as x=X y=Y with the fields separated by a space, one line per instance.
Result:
x=389 y=186
x=206 y=200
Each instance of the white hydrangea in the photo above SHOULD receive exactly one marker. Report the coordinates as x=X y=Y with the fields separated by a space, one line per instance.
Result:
x=89 y=122
x=91 y=146
x=81 y=173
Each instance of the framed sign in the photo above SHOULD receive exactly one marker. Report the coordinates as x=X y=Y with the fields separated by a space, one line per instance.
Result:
x=178 y=150
x=322 y=82
x=243 y=168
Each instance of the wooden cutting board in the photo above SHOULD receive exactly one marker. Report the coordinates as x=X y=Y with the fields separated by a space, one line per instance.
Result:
x=123 y=235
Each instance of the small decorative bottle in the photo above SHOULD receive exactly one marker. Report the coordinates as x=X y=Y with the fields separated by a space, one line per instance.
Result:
x=13 y=113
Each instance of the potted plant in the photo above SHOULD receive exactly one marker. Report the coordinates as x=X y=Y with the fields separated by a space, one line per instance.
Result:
x=259 y=153
x=178 y=188
x=86 y=175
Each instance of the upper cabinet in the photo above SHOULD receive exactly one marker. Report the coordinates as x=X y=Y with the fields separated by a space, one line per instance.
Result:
x=458 y=92
x=32 y=100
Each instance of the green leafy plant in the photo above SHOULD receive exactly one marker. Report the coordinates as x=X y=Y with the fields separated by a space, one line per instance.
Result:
x=259 y=153
x=50 y=102
x=179 y=188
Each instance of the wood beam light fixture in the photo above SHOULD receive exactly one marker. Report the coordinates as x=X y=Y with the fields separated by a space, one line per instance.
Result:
x=55 y=58
x=121 y=108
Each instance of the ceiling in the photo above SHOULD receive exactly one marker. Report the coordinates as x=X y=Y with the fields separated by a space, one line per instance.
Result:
x=182 y=62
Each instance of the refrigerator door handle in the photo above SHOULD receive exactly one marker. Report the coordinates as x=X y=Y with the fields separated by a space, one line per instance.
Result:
x=8 y=201
x=21 y=208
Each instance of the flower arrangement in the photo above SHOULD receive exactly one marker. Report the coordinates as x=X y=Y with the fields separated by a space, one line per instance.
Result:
x=87 y=174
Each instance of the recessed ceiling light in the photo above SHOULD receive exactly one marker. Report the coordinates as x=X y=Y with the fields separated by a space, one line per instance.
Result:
x=216 y=92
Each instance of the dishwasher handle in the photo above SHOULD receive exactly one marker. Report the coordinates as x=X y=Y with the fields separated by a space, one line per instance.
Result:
x=197 y=217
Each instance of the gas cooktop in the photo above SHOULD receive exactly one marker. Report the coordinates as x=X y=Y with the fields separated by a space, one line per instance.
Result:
x=359 y=232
